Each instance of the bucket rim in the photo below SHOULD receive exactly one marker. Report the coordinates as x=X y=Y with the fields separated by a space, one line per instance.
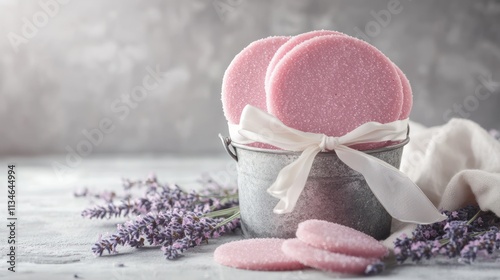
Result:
x=270 y=151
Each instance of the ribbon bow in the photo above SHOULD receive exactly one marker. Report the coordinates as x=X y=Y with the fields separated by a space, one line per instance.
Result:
x=401 y=198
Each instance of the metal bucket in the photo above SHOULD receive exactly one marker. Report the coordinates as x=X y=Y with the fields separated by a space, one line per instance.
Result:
x=333 y=192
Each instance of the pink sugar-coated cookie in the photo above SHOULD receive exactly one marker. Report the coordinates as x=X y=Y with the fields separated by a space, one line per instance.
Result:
x=243 y=81
x=325 y=260
x=407 y=95
x=405 y=110
x=256 y=254
x=405 y=113
x=290 y=44
x=332 y=84
x=340 y=239
x=296 y=40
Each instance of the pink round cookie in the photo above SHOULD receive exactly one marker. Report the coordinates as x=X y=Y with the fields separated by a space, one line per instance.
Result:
x=407 y=95
x=340 y=239
x=256 y=254
x=243 y=81
x=296 y=40
x=404 y=114
x=290 y=44
x=333 y=84
x=325 y=260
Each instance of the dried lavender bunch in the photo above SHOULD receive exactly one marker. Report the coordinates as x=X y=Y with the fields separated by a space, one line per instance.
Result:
x=175 y=231
x=466 y=233
x=159 y=197
x=168 y=216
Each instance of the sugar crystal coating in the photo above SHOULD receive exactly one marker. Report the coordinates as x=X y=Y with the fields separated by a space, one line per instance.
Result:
x=333 y=84
x=243 y=81
x=340 y=239
x=290 y=44
x=256 y=254
x=325 y=260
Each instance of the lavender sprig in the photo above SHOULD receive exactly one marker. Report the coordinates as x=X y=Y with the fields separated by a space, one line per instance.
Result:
x=466 y=233
x=175 y=231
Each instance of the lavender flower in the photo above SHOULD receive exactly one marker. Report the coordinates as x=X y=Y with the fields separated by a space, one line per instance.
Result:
x=481 y=245
x=466 y=233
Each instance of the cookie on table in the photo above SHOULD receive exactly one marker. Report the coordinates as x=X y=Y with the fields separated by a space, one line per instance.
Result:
x=340 y=239
x=256 y=254
x=325 y=260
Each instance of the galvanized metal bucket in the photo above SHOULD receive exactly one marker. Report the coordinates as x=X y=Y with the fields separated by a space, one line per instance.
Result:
x=333 y=192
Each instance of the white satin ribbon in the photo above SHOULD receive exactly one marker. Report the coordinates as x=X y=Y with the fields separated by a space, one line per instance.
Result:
x=401 y=198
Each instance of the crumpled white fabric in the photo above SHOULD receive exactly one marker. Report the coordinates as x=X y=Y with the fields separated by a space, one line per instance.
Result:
x=455 y=165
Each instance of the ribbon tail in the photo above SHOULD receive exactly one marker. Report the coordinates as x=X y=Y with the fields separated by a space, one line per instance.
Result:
x=291 y=181
x=401 y=198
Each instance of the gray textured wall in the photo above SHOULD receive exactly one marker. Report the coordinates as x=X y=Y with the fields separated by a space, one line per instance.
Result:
x=69 y=71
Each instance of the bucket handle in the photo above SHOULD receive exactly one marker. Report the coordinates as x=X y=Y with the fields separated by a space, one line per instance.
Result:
x=226 y=142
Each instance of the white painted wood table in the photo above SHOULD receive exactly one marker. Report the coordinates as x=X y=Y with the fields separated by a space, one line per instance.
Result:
x=54 y=241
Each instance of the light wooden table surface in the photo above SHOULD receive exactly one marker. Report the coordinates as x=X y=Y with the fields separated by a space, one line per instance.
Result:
x=54 y=241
